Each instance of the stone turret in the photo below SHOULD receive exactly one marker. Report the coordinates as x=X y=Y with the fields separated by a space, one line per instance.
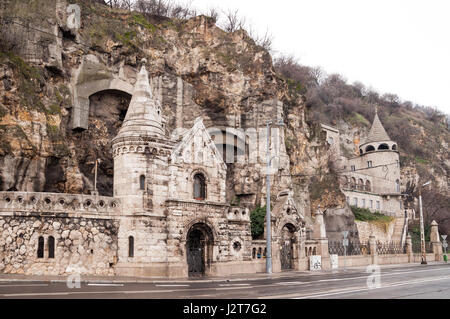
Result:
x=378 y=139
x=140 y=141
x=143 y=117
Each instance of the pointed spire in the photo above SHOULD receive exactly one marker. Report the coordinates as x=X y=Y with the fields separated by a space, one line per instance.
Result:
x=377 y=132
x=144 y=113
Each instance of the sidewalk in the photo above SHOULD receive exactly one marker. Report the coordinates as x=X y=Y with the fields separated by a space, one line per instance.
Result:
x=231 y=278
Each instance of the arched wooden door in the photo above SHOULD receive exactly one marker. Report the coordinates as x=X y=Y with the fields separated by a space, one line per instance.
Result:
x=287 y=247
x=199 y=249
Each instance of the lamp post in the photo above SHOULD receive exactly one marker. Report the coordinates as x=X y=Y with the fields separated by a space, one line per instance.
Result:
x=268 y=221
x=422 y=231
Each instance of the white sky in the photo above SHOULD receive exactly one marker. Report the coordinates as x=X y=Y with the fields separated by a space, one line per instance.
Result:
x=400 y=47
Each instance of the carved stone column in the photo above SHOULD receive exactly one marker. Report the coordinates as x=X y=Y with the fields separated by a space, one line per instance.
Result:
x=409 y=249
x=436 y=244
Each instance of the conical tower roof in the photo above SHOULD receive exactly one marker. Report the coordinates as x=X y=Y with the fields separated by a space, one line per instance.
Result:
x=144 y=113
x=377 y=132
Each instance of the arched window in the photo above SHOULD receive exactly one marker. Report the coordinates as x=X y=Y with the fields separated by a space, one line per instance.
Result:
x=40 y=250
x=314 y=251
x=383 y=147
x=397 y=186
x=259 y=252
x=51 y=247
x=370 y=148
x=368 y=186
x=254 y=253
x=131 y=246
x=199 y=187
x=361 y=184
x=353 y=183
x=394 y=147
x=142 y=182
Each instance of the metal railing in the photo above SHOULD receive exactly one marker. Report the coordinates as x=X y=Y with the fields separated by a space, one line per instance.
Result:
x=390 y=247
x=355 y=247
x=417 y=249
x=371 y=188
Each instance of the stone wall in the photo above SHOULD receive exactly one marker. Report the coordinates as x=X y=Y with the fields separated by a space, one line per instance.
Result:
x=385 y=171
x=82 y=245
x=366 y=229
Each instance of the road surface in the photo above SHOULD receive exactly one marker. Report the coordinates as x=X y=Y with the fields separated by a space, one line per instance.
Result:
x=410 y=281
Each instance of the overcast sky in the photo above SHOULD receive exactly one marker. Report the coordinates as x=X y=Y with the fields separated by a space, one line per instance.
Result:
x=400 y=47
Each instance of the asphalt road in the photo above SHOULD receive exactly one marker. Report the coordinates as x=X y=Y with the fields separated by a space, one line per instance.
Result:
x=418 y=281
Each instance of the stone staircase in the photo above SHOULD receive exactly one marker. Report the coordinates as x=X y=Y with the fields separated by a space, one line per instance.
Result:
x=398 y=229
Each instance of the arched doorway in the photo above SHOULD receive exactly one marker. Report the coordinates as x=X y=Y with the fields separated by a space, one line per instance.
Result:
x=287 y=247
x=199 y=248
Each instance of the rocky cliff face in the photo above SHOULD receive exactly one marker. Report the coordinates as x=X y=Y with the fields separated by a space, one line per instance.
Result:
x=64 y=92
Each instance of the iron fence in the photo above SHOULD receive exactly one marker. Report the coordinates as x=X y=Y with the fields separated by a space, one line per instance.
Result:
x=417 y=249
x=390 y=247
x=355 y=247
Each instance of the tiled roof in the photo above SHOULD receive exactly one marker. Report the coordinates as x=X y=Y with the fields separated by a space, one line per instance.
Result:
x=377 y=132
x=144 y=113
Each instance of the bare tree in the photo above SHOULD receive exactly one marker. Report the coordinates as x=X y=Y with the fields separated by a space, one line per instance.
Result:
x=213 y=13
x=126 y=4
x=264 y=41
x=233 y=21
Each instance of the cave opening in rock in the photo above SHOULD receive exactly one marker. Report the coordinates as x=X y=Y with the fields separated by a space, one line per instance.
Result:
x=107 y=111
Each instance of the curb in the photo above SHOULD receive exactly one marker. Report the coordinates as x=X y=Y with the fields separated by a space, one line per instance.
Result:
x=287 y=275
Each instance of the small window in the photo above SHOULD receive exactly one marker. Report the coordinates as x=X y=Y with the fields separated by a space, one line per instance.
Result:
x=51 y=247
x=355 y=202
x=40 y=250
x=371 y=203
x=369 y=164
x=363 y=203
x=131 y=246
x=254 y=253
x=142 y=182
x=353 y=168
x=370 y=148
x=378 y=205
x=199 y=187
x=397 y=186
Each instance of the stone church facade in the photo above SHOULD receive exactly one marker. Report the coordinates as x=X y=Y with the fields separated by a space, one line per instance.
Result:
x=169 y=215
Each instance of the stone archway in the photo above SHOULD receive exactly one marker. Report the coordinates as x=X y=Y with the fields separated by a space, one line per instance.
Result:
x=82 y=93
x=287 y=240
x=199 y=249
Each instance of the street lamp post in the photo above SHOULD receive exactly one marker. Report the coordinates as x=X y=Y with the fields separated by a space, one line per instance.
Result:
x=422 y=231
x=268 y=215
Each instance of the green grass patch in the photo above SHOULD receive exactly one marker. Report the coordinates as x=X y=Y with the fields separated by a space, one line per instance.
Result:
x=358 y=119
x=376 y=218
x=421 y=160
x=30 y=80
x=140 y=20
